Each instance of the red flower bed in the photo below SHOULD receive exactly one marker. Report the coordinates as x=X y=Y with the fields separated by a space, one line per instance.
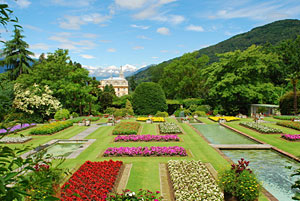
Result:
x=92 y=181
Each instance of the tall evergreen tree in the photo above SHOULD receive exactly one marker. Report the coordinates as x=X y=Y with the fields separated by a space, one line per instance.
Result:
x=16 y=55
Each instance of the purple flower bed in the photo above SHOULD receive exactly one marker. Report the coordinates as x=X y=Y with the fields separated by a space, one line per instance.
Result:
x=291 y=137
x=145 y=151
x=17 y=128
x=146 y=138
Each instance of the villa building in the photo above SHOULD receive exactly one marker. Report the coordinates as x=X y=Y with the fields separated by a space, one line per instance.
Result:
x=120 y=84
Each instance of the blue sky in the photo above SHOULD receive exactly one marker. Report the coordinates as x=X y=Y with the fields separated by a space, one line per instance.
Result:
x=109 y=33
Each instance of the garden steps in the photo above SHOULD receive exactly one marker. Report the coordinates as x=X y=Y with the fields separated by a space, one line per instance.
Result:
x=242 y=146
x=124 y=178
x=85 y=133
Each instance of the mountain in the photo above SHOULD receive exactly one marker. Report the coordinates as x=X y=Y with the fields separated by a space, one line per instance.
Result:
x=139 y=70
x=270 y=33
x=104 y=73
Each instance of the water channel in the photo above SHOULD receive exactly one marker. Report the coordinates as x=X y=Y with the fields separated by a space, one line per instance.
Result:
x=269 y=166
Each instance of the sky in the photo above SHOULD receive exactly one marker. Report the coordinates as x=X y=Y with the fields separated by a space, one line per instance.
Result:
x=103 y=35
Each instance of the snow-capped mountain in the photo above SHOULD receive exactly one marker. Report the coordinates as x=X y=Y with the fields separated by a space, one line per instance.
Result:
x=106 y=72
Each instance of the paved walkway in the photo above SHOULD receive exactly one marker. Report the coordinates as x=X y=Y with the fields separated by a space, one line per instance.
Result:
x=85 y=133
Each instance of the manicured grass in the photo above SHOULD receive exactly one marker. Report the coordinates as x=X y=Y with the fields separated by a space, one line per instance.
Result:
x=206 y=120
x=273 y=139
x=149 y=129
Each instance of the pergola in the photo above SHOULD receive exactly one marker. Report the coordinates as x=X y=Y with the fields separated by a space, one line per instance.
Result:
x=270 y=109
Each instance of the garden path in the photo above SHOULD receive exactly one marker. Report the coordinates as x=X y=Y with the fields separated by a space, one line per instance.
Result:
x=85 y=133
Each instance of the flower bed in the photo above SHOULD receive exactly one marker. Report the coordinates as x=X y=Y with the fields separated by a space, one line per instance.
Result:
x=126 y=128
x=92 y=181
x=260 y=128
x=145 y=151
x=192 y=181
x=291 y=137
x=16 y=128
x=190 y=119
x=169 y=128
x=15 y=139
x=154 y=119
x=293 y=125
x=146 y=138
x=80 y=119
x=227 y=118
x=51 y=128
x=287 y=117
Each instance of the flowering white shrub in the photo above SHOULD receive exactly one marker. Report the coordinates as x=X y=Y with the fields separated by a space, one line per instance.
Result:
x=15 y=139
x=35 y=99
x=260 y=128
x=192 y=181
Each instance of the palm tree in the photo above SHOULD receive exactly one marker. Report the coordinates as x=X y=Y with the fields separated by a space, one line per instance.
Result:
x=16 y=56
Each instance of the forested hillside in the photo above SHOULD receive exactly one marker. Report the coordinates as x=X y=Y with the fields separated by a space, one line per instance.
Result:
x=271 y=33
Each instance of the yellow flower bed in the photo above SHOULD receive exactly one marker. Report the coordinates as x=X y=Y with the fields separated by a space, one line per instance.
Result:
x=227 y=118
x=154 y=119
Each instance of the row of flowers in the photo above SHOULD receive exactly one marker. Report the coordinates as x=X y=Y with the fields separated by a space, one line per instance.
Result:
x=127 y=128
x=189 y=119
x=15 y=139
x=154 y=119
x=92 y=181
x=291 y=137
x=51 y=128
x=287 y=117
x=16 y=128
x=226 y=118
x=169 y=128
x=145 y=151
x=293 y=125
x=146 y=138
x=260 y=128
x=192 y=181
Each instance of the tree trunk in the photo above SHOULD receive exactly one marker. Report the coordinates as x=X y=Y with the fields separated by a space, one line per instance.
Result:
x=294 y=83
x=90 y=108
x=80 y=109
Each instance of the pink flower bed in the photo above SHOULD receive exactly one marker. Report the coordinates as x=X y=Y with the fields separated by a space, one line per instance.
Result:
x=146 y=138
x=145 y=151
x=291 y=137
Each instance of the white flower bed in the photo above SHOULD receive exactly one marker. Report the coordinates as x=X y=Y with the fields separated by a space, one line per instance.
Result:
x=260 y=128
x=169 y=128
x=192 y=181
x=15 y=139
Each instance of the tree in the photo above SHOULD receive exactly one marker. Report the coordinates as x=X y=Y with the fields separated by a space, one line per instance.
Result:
x=241 y=78
x=148 y=98
x=289 y=51
x=16 y=56
x=106 y=100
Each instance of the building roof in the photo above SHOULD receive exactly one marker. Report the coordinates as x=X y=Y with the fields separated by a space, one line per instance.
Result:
x=265 y=105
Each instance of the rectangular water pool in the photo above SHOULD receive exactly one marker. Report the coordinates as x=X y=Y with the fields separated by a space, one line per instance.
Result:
x=61 y=149
x=270 y=168
x=217 y=134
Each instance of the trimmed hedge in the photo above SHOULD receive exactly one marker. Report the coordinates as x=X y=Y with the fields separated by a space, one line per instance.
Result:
x=51 y=128
x=286 y=117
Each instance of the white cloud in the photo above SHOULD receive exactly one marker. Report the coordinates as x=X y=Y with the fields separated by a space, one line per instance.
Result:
x=163 y=31
x=105 y=72
x=164 y=51
x=23 y=3
x=140 y=26
x=65 y=42
x=143 y=37
x=194 y=28
x=73 y=3
x=75 y=22
x=105 y=41
x=154 y=57
x=86 y=56
x=40 y=46
x=89 y=35
x=34 y=28
x=138 y=48
x=131 y=4
x=111 y=50
x=172 y=19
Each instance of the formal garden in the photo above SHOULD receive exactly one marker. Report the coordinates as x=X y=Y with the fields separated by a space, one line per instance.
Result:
x=64 y=138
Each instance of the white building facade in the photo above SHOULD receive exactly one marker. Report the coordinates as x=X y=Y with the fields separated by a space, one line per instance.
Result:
x=120 y=84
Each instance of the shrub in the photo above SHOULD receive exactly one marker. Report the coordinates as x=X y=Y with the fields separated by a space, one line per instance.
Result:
x=162 y=114
x=286 y=103
x=62 y=114
x=205 y=108
x=199 y=113
x=286 y=117
x=74 y=115
x=110 y=110
x=129 y=108
x=192 y=101
x=149 y=98
x=177 y=112
x=240 y=182
x=260 y=127
x=51 y=128
x=120 y=112
x=193 y=108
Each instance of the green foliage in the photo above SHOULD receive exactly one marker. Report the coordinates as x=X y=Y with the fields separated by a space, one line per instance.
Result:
x=120 y=102
x=6 y=16
x=6 y=95
x=106 y=100
x=286 y=103
x=129 y=108
x=286 y=117
x=149 y=98
x=199 y=113
x=62 y=114
x=74 y=115
x=16 y=56
x=110 y=110
x=242 y=78
x=127 y=128
x=161 y=114
x=120 y=112
x=177 y=112
x=192 y=101
x=204 y=108
x=181 y=78
x=51 y=128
